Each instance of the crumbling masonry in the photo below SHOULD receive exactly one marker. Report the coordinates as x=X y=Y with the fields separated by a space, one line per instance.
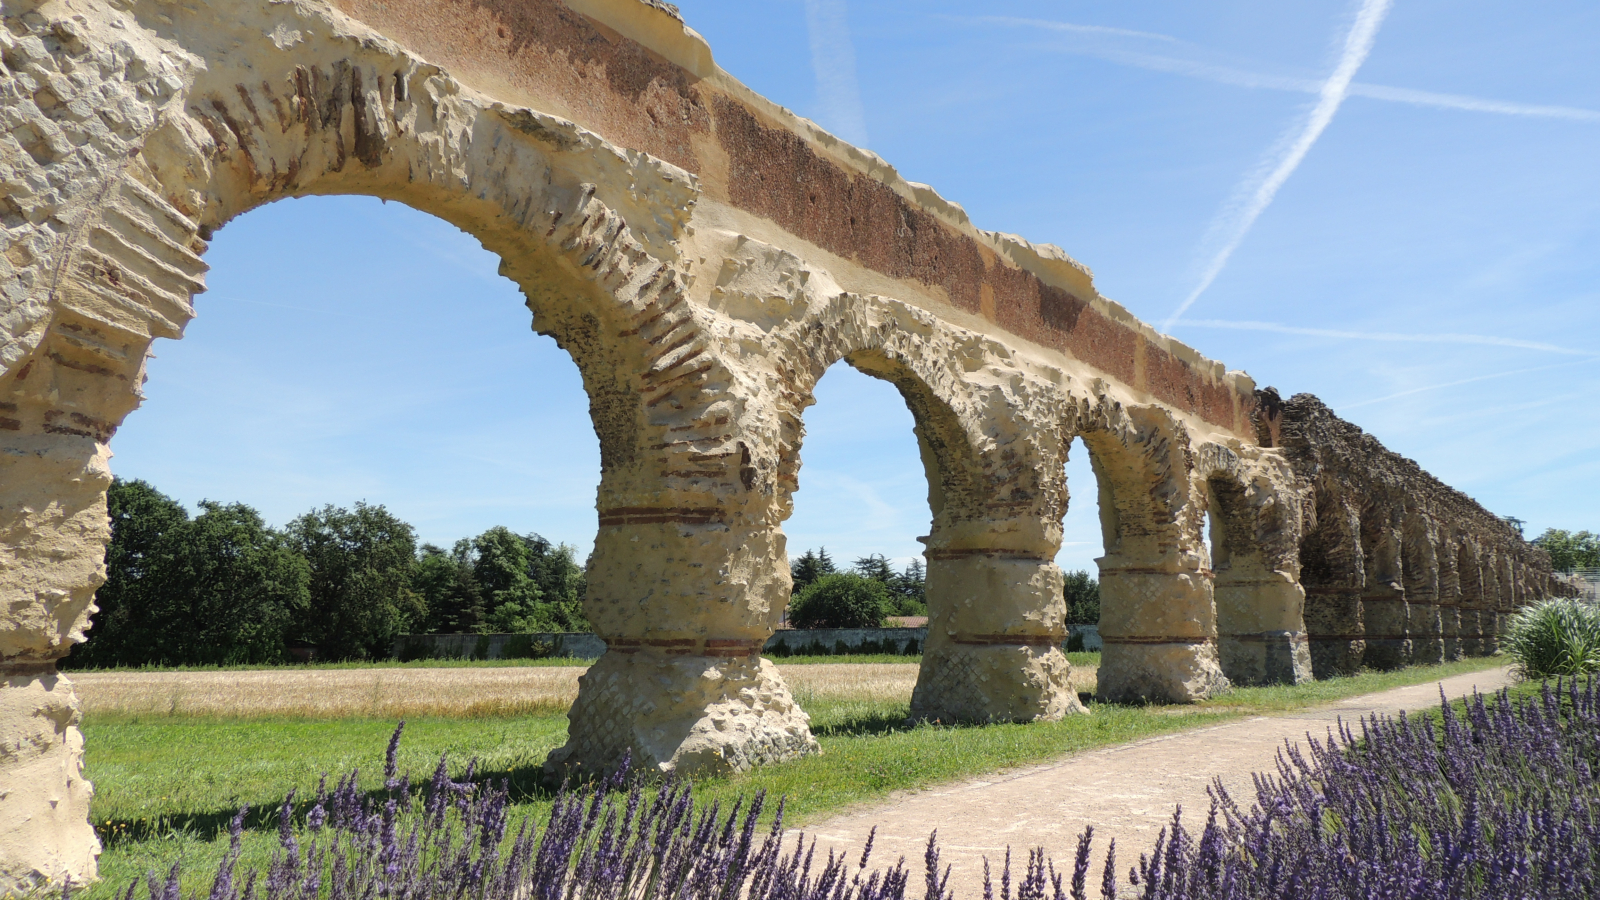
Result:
x=704 y=256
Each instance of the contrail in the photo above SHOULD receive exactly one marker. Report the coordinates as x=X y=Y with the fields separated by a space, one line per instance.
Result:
x=1067 y=26
x=1387 y=336
x=1435 y=387
x=833 y=59
x=1219 y=74
x=1233 y=228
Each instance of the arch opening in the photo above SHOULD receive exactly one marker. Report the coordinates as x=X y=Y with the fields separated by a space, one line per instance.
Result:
x=1261 y=607
x=1158 y=619
x=407 y=382
x=855 y=510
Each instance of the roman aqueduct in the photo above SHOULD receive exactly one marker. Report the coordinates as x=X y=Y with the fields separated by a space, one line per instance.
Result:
x=704 y=256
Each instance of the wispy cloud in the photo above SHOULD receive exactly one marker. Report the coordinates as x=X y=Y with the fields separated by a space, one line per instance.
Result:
x=1069 y=27
x=1231 y=75
x=1256 y=192
x=1344 y=407
x=833 y=59
x=1387 y=336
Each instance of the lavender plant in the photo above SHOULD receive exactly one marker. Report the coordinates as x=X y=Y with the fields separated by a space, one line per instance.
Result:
x=1501 y=802
x=452 y=839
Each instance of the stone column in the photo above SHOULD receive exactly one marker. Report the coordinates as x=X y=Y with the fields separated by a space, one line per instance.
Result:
x=1424 y=623
x=1158 y=622
x=1336 y=631
x=685 y=588
x=53 y=533
x=1383 y=601
x=995 y=630
x=1488 y=612
x=1469 y=572
x=1261 y=638
x=1331 y=571
x=1449 y=602
x=1511 y=594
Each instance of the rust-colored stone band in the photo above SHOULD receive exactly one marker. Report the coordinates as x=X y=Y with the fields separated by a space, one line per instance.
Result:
x=984 y=553
x=1327 y=591
x=28 y=668
x=1012 y=640
x=1142 y=639
x=1265 y=637
x=726 y=647
x=1142 y=570
x=659 y=515
x=1336 y=638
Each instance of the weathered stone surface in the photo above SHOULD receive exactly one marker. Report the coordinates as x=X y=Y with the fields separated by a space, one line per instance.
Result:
x=704 y=256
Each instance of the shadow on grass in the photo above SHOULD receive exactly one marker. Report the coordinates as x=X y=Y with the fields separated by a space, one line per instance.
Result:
x=527 y=783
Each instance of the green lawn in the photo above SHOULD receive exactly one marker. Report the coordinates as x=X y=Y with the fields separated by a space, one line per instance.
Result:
x=165 y=786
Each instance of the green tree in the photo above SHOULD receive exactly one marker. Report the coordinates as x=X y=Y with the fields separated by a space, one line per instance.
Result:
x=813 y=564
x=243 y=586
x=555 y=569
x=1082 y=593
x=909 y=590
x=501 y=560
x=876 y=567
x=449 y=590
x=1570 y=551
x=361 y=574
x=840 y=600
x=528 y=584
x=220 y=588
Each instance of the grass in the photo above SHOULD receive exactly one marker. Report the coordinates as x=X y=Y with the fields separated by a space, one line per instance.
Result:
x=167 y=783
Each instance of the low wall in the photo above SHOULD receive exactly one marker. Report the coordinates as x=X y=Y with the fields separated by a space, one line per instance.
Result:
x=789 y=642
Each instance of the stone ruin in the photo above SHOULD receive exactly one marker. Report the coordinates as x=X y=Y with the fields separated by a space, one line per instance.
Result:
x=704 y=255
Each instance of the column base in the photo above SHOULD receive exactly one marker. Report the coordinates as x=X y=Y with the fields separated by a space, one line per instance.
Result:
x=1450 y=632
x=1138 y=670
x=1270 y=657
x=1388 y=642
x=1336 y=655
x=689 y=714
x=1427 y=634
x=994 y=682
x=45 y=835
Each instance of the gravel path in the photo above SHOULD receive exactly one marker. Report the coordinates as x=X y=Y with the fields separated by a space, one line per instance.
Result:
x=1127 y=792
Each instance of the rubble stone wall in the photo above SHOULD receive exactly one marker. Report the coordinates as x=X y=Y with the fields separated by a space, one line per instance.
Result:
x=704 y=256
x=1398 y=567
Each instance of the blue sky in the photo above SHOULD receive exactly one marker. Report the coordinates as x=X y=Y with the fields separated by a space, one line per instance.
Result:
x=1396 y=208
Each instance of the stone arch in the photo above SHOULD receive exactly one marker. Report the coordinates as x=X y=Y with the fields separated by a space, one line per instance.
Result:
x=1257 y=517
x=1157 y=614
x=317 y=104
x=997 y=616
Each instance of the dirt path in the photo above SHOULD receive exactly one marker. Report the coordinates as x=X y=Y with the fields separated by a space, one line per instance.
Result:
x=1127 y=792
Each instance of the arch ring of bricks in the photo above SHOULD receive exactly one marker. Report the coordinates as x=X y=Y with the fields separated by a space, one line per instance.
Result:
x=704 y=256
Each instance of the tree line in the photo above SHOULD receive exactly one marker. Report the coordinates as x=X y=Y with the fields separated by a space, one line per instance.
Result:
x=871 y=591
x=1570 y=550
x=222 y=587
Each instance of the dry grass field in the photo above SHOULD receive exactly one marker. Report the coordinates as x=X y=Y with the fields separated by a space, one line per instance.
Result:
x=395 y=693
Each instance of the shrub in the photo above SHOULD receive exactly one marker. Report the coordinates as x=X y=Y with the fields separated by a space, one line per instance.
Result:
x=1555 y=637
x=1082 y=593
x=843 y=600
